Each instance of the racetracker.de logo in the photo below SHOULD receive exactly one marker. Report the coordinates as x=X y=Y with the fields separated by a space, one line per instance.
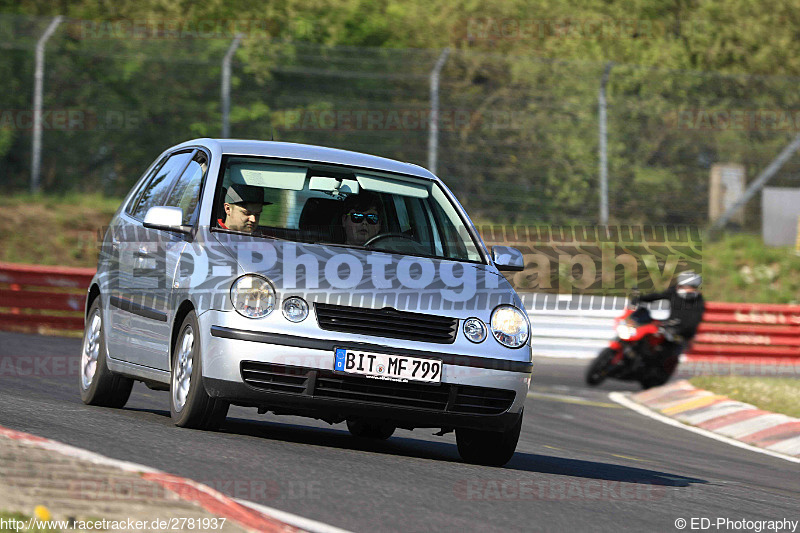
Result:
x=157 y=28
x=151 y=487
x=557 y=490
x=70 y=119
x=533 y=29
x=734 y=120
x=375 y=119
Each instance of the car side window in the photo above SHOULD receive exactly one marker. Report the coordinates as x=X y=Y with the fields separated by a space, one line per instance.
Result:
x=155 y=191
x=138 y=194
x=186 y=193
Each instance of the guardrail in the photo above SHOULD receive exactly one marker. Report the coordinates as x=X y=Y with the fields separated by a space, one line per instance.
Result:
x=574 y=325
x=738 y=331
x=38 y=298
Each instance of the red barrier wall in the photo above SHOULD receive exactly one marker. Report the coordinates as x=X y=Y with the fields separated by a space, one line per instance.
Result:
x=748 y=330
x=32 y=296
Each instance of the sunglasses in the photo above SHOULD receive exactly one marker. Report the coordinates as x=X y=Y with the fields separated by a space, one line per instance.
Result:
x=357 y=218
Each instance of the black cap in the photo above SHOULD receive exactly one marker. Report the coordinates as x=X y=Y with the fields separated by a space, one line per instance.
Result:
x=241 y=193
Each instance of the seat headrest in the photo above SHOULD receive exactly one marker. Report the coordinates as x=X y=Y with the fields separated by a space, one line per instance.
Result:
x=322 y=216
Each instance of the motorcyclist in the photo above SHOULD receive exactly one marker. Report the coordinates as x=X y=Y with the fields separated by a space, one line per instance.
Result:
x=686 y=312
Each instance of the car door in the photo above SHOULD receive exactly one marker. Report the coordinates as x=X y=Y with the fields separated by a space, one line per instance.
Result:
x=139 y=311
x=185 y=194
x=122 y=232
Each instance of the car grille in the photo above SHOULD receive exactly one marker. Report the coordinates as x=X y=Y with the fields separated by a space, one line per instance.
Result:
x=387 y=323
x=275 y=378
x=481 y=400
x=337 y=386
x=445 y=397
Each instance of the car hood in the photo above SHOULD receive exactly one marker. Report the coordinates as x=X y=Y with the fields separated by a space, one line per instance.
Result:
x=364 y=278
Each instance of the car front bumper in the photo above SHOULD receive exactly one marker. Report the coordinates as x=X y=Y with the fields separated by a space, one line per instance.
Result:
x=301 y=381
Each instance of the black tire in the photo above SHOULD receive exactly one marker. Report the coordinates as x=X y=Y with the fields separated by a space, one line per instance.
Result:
x=102 y=387
x=189 y=404
x=653 y=380
x=488 y=448
x=656 y=377
x=370 y=429
x=598 y=370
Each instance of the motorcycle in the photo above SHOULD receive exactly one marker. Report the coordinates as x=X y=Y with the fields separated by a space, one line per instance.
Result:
x=638 y=352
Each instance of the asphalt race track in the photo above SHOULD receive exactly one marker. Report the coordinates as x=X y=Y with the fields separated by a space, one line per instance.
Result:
x=583 y=463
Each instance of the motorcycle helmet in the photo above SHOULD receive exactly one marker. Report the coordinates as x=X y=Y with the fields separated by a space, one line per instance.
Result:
x=688 y=278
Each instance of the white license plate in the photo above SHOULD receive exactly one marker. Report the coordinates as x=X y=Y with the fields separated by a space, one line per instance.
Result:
x=387 y=367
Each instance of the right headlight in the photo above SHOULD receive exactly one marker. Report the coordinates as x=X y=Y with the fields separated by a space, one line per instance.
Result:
x=510 y=326
x=295 y=309
x=253 y=296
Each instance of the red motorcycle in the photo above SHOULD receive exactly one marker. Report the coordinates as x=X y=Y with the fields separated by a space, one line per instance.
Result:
x=637 y=352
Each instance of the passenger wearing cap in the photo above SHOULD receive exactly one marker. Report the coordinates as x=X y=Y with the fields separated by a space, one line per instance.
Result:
x=243 y=205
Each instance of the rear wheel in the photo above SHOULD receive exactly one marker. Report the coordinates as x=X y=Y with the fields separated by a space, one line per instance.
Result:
x=98 y=385
x=489 y=448
x=598 y=370
x=190 y=404
x=370 y=429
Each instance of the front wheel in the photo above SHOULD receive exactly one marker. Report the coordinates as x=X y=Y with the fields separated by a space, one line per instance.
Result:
x=598 y=370
x=98 y=385
x=190 y=404
x=489 y=448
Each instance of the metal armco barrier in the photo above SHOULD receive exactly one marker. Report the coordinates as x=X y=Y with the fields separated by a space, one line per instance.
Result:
x=578 y=326
x=33 y=297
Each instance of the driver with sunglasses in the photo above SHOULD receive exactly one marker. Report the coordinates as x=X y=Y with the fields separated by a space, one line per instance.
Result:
x=361 y=220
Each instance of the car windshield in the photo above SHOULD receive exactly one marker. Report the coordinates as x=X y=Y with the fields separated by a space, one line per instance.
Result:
x=325 y=204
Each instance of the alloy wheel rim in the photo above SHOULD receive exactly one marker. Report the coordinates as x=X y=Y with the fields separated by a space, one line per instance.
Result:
x=182 y=373
x=91 y=350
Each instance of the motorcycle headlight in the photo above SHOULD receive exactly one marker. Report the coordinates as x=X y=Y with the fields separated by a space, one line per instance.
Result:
x=474 y=330
x=510 y=326
x=253 y=296
x=624 y=331
x=295 y=309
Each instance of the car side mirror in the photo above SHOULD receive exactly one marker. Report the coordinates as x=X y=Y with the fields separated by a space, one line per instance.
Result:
x=166 y=218
x=508 y=259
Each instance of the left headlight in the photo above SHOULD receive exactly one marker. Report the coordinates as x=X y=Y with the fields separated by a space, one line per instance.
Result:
x=625 y=332
x=253 y=296
x=510 y=326
x=474 y=330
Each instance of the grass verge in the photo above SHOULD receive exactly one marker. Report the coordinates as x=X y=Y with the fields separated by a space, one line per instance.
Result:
x=778 y=395
x=54 y=230
x=8 y=519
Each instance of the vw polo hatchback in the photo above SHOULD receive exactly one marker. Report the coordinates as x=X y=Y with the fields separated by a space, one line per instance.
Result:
x=309 y=281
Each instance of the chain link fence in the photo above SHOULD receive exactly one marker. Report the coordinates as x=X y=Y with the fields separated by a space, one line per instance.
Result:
x=518 y=136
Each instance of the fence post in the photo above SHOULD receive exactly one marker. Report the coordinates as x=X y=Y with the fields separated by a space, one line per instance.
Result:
x=433 y=132
x=38 y=82
x=797 y=239
x=226 y=85
x=603 y=144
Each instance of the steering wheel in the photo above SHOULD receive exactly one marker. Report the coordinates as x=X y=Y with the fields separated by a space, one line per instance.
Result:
x=382 y=236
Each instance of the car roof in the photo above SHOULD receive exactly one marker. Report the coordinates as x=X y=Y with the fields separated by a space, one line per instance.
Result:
x=307 y=152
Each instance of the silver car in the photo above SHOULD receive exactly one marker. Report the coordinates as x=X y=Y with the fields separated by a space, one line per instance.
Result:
x=310 y=281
